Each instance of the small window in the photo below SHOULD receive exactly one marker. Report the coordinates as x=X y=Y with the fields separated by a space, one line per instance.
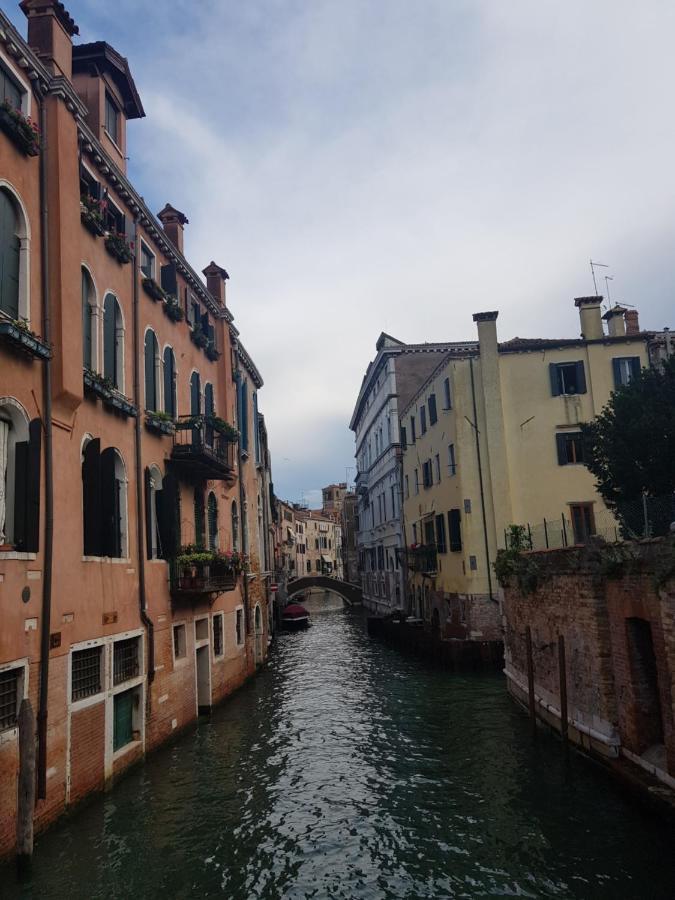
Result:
x=404 y=438
x=179 y=642
x=452 y=463
x=10 y=92
x=625 y=368
x=455 y=530
x=112 y=118
x=417 y=481
x=433 y=415
x=447 y=398
x=309 y=565
x=473 y=563
x=202 y=629
x=423 y=420
x=427 y=476
x=218 y=649
x=570 y=448
x=86 y=672
x=583 y=521
x=11 y=694
x=467 y=506
x=413 y=436
x=567 y=378
x=147 y=262
x=126 y=664
x=239 y=627
x=438 y=468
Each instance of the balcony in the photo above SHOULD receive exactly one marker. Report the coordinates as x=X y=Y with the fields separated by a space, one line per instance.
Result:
x=204 y=447
x=420 y=558
x=199 y=572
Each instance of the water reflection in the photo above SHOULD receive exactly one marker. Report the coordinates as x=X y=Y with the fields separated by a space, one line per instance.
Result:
x=346 y=770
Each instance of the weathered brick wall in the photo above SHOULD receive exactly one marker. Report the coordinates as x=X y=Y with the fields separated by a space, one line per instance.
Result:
x=87 y=751
x=468 y=616
x=618 y=620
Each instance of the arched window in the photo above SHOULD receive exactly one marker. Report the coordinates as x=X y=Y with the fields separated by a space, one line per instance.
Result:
x=235 y=526
x=113 y=342
x=209 y=410
x=151 y=353
x=169 y=382
x=199 y=517
x=195 y=394
x=153 y=513
x=20 y=443
x=88 y=321
x=14 y=256
x=244 y=526
x=243 y=415
x=212 y=519
x=104 y=489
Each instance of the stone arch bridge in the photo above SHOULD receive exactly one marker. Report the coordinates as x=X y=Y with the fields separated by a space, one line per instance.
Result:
x=350 y=593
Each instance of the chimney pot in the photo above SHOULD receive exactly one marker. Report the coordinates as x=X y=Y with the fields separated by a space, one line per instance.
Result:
x=632 y=321
x=590 y=317
x=616 y=324
x=216 y=277
x=50 y=32
x=173 y=221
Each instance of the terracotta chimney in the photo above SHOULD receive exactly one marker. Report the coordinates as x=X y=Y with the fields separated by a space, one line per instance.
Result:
x=173 y=221
x=215 y=281
x=616 y=325
x=590 y=317
x=50 y=33
x=632 y=321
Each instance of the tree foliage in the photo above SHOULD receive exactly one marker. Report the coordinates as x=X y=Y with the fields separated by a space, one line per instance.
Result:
x=630 y=446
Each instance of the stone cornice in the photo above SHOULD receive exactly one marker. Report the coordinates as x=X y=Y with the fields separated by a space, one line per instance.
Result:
x=249 y=365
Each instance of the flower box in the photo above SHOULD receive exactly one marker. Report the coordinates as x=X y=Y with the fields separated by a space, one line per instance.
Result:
x=91 y=218
x=118 y=246
x=160 y=424
x=21 y=338
x=198 y=337
x=212 y=353
x=153 y=290
x=121 y=404
x=172 y=309
x=20 y=129
x=97 y=385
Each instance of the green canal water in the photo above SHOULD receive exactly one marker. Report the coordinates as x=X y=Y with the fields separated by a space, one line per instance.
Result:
x=345 y=770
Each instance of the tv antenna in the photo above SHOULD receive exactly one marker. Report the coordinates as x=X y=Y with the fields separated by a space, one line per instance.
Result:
x=594 y=266
x=608 y=278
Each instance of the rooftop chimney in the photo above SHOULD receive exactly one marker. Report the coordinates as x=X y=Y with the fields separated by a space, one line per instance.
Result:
x=590 y=317
x=173 y=221
x=50 y=33
x=615 y=321
x=215 y=281
x=632 y=321
x=486 y=323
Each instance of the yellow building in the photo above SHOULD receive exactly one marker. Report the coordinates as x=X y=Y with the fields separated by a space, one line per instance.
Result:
x=492 y=438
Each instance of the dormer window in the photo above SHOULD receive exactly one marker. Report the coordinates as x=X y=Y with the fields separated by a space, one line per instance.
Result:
x=112 y=118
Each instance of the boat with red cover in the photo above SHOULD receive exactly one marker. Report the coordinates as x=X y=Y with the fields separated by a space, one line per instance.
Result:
x=294 y=616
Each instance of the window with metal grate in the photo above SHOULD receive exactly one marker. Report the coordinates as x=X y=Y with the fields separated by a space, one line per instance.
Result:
x=86 y=672
x=10 y=683
x=125 y=660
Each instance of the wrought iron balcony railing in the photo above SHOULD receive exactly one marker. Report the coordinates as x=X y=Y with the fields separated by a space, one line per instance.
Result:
x=204 y=447
x=421 y=558
x=193 y=579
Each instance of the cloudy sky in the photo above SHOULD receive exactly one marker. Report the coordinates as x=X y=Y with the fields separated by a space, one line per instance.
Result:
x=369 y=165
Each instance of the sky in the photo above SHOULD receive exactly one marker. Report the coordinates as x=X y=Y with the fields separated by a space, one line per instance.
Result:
x=361 y=166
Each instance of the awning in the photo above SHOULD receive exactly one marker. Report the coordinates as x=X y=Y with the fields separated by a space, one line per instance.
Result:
x=326 y=559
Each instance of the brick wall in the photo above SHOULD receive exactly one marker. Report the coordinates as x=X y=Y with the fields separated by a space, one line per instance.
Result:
x=619 y=631
x=87 y=751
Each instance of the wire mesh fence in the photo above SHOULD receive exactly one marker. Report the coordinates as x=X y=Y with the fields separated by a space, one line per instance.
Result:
x=646 y=517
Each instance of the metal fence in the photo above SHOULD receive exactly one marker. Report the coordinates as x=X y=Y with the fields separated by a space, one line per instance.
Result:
x=636 y=520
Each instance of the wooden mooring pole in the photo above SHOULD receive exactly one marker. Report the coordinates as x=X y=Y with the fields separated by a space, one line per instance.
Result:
x=563 y=693
x=530 y=679
x=26 y=798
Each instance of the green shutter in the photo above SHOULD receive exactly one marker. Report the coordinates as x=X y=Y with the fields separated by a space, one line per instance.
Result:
x=581 y=378
x=123 y=719
x=561 y=445
x=636 y=366
x=91 y=491
x=555 y=381
x=9 y=257
x=616 y=369
x=455 y=530
x=86 y=323
x=150 y=372
x=110 y=339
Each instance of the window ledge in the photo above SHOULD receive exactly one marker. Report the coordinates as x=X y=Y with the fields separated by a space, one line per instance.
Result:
x=111 y=560
x=127 y=748
x=17 y=554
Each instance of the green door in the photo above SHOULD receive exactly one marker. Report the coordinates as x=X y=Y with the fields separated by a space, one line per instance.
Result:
x=123 y=731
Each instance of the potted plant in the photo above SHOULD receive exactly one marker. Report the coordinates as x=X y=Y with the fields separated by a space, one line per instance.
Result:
x=97 y=384
x=211 y=351
x=153 y=290
x=18 y=333
x=223 y=428
x=159 y=422
x=118 y=246
x=172 y=308
x=91 y=214
x=199 y=336
x=21 y=129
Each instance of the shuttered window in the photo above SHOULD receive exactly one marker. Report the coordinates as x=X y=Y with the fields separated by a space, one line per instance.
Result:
x=111 y=505
x=212 y=513
x=455 y=530
x=199 y=517
x=404 y=437
x=423 y=420
x=27 y=460
x=9 y=90
x=112 y=341
x=447 y=398
x=570 y=448
x=9 y=256
x=427 y=476
x=87 y=320
x=168 y=280
x=433 y=415
x=413 y=436
x=625 y=369
x=169 y=382
x=441 y=545
x=567 y=378
x=195 y=394
x=151 y=353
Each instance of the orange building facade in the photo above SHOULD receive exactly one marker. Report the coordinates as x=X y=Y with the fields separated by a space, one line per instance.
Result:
x=135 y=483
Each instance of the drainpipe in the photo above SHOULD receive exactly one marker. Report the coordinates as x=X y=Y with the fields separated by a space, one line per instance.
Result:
x=43 y=703
x=480 y=479
x=242 y=496
x=142 y=599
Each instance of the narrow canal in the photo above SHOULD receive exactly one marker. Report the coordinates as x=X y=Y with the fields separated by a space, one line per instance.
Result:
x=347 y=771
